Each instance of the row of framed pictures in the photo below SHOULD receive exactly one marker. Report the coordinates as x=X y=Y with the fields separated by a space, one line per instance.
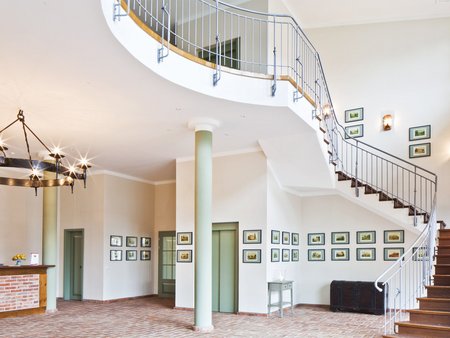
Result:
x=362 y=254
x=362 y=237
x=286 y=255
x=286 y=237
x=130 y=255
x=419 y=149
x=131 y=241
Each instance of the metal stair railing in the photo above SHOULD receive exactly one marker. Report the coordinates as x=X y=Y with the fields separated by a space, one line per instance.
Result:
x=275 y=46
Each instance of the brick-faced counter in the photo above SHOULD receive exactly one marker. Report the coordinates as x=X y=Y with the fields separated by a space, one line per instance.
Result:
x=23 y=290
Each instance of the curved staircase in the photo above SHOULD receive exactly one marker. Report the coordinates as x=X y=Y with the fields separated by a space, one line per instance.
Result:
x=432 y=319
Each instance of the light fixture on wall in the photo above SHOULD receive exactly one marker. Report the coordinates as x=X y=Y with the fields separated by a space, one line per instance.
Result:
x=325 y=111
x=387 y=122
x=64 y=175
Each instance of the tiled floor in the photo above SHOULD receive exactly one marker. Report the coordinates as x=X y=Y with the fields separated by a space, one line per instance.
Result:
x=154 y=317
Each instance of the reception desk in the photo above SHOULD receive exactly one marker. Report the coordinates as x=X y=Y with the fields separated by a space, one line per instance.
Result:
x=23 y=290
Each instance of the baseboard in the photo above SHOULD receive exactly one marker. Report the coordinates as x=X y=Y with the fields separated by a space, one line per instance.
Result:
x=252 y=314
x=183 y=308
x=317 y=306
x=118 y=299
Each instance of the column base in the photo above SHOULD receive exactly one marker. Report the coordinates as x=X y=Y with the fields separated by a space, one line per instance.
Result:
x=51 y=311
x=203 y=329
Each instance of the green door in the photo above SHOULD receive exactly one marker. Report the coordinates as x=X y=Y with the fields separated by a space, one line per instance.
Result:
x=73 y=264
x=224 y=259
x=166 y=264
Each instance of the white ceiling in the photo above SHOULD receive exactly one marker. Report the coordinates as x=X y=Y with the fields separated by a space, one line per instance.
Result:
x=326 y=13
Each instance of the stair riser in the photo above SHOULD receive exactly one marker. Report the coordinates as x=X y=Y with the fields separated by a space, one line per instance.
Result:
x=442 y=270
x=419 y=332
x=442 y=281
x=442 y=250
x=435 y=306
x=444 y=234
x=438 y=293
x=429 y=319
x=442 y=260
x=444 y=241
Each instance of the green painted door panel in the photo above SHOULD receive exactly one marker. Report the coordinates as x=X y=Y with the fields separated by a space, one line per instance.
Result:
x=166 y=268
x=77 y=266
x=227 y=271
x=215 y=270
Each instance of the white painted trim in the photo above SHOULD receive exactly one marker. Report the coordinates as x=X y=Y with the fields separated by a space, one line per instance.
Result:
x=165 y=182
x=116 y=174
x=224 y=154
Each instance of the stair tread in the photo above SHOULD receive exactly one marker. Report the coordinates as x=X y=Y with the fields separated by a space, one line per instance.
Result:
x=438 y=287
x=430 y=312
x=441 y=275
x=437 y=300
x=424 y=326
x=442 y=265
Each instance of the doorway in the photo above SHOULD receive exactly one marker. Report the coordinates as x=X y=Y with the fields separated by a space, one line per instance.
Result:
x=73 y=264
x=166 y=264
x=224 y=267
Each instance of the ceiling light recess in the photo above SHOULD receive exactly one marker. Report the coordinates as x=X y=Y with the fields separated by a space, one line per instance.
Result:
x=64 y=175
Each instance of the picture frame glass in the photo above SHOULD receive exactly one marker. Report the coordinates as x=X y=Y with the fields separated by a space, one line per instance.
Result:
x=286 y=253
x=420 y=150
x=295 y=238
x=353 y=115
x=365 y=254
x=420 y=133
x=340 y=238
x=295 y=255
x=393 y=254
x=316 y=254
x=184 y=238
x=394 y=236
x=115 y=240
x=146 y=242
x=340 y=254
x=145 y=255
x=286 y=237
x=252 y=236
x=275 y=255
x=184 y=256
x=365 y=237
x=131 y=255
x=251 y=256
x=131 y=241
x=354 y=131
x=115 y=255
x=275 y=237
x=316 y=239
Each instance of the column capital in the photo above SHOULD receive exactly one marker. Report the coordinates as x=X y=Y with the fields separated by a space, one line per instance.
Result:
x=203 y=123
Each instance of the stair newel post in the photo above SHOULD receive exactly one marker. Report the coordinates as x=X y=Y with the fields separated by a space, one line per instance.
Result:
x=356 y=170
x=415 y=196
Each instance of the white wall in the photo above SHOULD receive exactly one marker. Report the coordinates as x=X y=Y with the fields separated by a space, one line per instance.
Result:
x=400 y=68
x=239 y=195
x=326 y=214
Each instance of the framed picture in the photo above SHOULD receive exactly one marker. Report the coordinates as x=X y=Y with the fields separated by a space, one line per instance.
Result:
x=286 y=255
x=353 y=115
x=365 y=254
x=316 y=255
x=184 y=256
x=275 y=237
x=115 y=240
x=184 y=238
x=341 y=254
x=420 y=150
x=365 y=237
x=420 y=133
x=316 y=239
x=131 y=255
x=146 y=255
x=295 y=238
x=132 y=241
x=392 y=254
x=340 y=238
x=419 y=254
x=252 y=236
x=146 y=242
x=295 y=255
x=354 y=131
x=115 y=255
x=275 y=255
x=251 y=256
x=286 y=237
x=394 y=236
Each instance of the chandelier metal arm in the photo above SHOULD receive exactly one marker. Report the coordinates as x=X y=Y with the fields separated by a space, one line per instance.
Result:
x=9 y=125
x=18 y=182
x=37 y=137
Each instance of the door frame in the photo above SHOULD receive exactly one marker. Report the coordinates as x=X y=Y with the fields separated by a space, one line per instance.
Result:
x=67 y=279
x=232 y=226
x=160 y=258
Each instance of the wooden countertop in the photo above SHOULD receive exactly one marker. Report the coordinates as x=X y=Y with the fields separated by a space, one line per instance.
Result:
x=9 y=270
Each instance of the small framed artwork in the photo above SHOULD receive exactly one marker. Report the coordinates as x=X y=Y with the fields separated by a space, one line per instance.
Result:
x=419 y=254
x=365 y=237
x=275 y=255
x=340 y=238
x=295 y=255
x=286 y=237
x=131 y=255
x=146 y=255
x=354 y=131
x=394 y=236
x=420 y=150
x=275 y=237
x=252 y=236
x=251 y=256
x=365 y=254
x=115 y=240
x=132 y=241
x=295 y=238
x=286 y=255
x=184 y=238
x=184 y=256
x=146 y=242
x=115 y=255
x=392 y=254
x=341 y=254
x=420 y=133
x=316 y=239
x=353 y=115
x=316 y=255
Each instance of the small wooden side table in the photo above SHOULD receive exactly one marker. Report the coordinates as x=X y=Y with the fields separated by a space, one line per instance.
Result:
x=280 y=286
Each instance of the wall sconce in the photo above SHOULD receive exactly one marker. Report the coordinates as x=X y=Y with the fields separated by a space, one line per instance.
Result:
x=387 y=122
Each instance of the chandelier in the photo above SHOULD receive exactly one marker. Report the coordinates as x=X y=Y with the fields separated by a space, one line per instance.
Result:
x=64 y=175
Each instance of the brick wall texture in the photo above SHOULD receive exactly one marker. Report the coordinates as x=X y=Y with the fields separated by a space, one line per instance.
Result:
x=19 y=292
